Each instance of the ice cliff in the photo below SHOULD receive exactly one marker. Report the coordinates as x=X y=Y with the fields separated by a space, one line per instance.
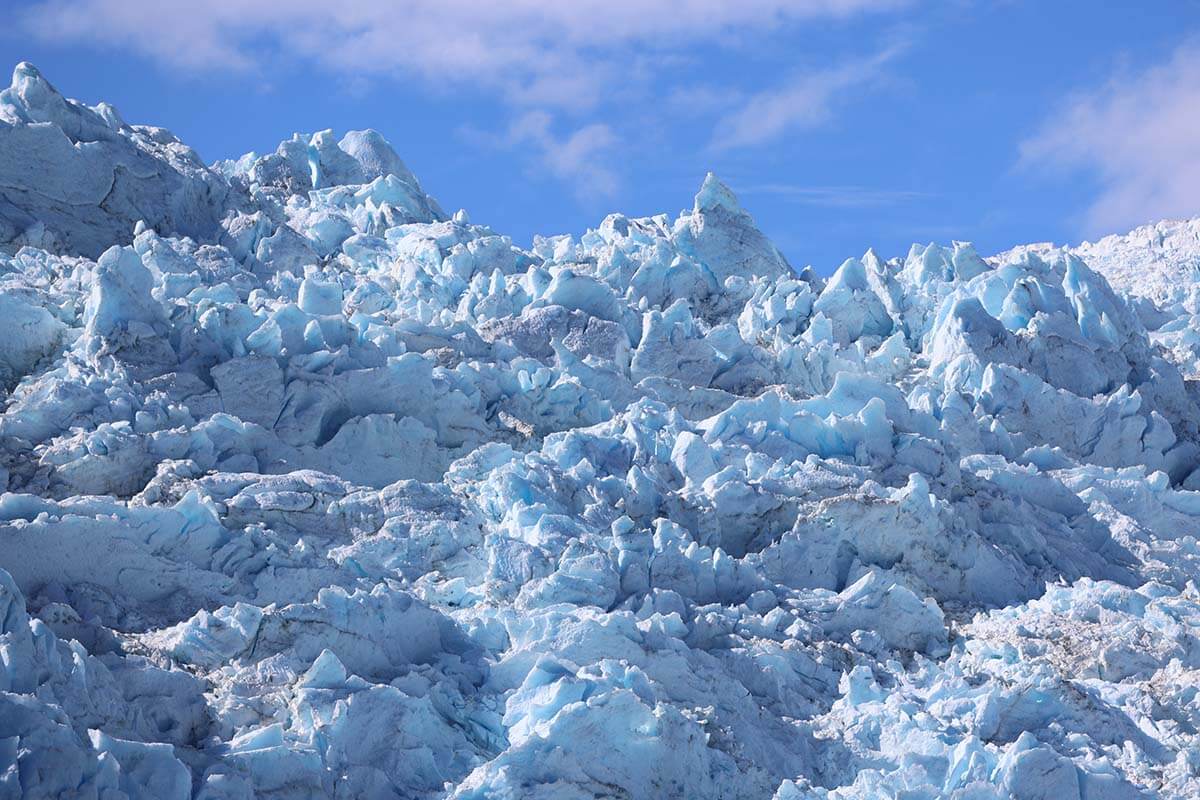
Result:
x=314 y=490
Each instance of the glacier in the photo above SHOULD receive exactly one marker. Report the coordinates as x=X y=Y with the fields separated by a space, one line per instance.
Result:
x=312 y=489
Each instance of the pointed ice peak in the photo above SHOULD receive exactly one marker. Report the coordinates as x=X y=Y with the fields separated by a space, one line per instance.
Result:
x=872 y=261
x=375 y=154
x=27 y=78
x=715 y=194
x=967 y=263
x=723 y=237
x=326 y=672
x=32 y=99
x=810 y=275
x=38 y=98
x=25 y=71
x=109 y=114
x=850 y=276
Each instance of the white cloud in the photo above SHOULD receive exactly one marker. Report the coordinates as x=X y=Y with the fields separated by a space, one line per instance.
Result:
x=582 y=158
x=556 y=64
x=1138 y=135
x=542 y=52
x=578 y=158
x=806 y=101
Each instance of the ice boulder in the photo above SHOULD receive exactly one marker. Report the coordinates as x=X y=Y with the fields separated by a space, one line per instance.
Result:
x=31 y=333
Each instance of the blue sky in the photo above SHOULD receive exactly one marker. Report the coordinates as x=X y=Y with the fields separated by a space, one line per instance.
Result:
x=842 y=124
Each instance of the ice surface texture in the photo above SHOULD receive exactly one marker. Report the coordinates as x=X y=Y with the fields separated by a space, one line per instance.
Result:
x=316 y=491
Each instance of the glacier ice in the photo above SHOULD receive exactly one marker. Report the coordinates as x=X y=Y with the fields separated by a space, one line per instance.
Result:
x=311 y=489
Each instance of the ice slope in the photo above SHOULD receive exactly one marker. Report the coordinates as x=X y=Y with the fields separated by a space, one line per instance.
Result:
x=1160 y=262
x=316 y=491
x=1157 y=267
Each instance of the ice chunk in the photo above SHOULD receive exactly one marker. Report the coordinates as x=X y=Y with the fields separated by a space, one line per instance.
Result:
x=326 y=672
x=320 y=297
x=209 y=640
x=120 y=297
x=30 y=334
x=724 y=238
x=147 y=771
x=87 y=178
x=375 y=156
x=912 y=624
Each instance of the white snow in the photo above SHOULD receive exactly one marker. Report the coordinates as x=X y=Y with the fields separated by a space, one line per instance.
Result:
x=311 y=490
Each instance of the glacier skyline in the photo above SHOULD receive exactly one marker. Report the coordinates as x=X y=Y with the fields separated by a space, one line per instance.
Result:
x=841 y=125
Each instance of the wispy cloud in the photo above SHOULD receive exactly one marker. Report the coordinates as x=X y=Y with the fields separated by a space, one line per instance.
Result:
x=702 y=100
x=540 y=52
x=564 y=70
x=1138 y=135
x=807 y=100
x=834 y=196
x=580 y=158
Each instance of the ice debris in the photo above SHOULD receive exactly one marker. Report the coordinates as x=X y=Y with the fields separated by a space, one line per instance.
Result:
x=315 y=491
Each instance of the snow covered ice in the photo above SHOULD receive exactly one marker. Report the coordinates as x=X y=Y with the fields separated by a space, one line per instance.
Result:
x=315 y=490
